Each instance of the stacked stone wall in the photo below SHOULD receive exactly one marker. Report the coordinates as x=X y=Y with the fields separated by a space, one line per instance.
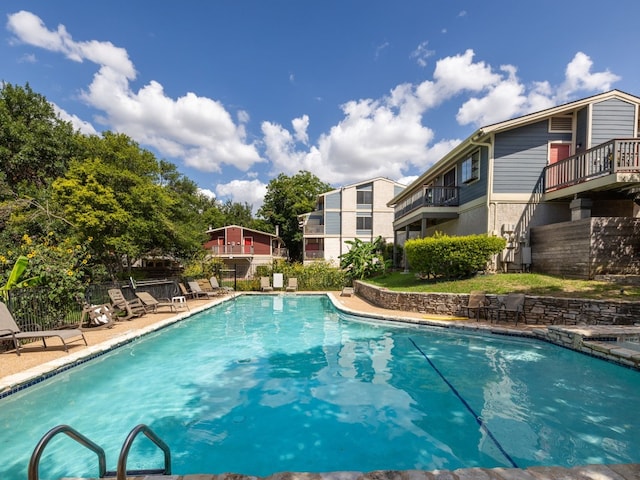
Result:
x=542 y=310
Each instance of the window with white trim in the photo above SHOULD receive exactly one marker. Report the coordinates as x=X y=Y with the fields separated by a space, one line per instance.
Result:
x=364 y=195
x=364 y=222
x=470 y=170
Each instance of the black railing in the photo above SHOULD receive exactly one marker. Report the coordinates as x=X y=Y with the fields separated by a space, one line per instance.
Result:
x=430 y=197
x=39 y=306
x=618 y=155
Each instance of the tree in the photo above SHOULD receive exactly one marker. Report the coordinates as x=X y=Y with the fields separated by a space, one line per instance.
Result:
x=35 y=148
x=35 y=145
x=286 y=198
x=114 y=195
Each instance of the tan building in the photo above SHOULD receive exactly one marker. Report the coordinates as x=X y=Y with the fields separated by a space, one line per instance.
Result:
x=354 y=211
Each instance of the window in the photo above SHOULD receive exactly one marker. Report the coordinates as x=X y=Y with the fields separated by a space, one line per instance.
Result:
x=364 y=195
x=471 y=168
x=364 y=223
x=449 y=178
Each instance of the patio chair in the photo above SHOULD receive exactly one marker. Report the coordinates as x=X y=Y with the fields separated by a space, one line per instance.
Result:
x=194 y=286
x=477 y=304
x=216 y=286
x=185 y=293
x=347 y=292
x=131 y=308
x=96 y=317
x=265 y=285
x=513 y=304
x=292 y=284
x=152 y=304
x=9 y=330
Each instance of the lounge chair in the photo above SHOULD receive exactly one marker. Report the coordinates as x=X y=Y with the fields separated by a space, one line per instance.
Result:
x=216 y=286
x=347 y=292
x=9 y=330
x=265 y=285
x=207 y=286
x=185 y=293
x=477 y=304
x=131 y=308
x=96 y=317
x=292 y=284
x=513 y=303
x=152 y=304
x=194 y=286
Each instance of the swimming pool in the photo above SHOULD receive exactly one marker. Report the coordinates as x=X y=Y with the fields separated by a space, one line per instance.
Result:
x=263 y=384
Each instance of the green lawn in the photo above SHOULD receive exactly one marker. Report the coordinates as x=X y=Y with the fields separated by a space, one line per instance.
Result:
x=501 y=283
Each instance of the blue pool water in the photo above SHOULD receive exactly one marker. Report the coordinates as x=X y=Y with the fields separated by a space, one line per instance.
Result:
x=263 y=384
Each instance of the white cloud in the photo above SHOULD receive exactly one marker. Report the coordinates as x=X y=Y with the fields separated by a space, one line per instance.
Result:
x=198 y=129
x=386 y=136
x=251 y=192
x=207 y=193
x=78 y=124
x=300 y=126
x=422 y=53
x=578 y=77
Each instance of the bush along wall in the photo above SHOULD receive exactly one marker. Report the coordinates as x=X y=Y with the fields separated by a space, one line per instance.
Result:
x=452 y=257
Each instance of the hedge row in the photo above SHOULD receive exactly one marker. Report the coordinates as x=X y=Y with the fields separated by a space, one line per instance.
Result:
x=451 y=257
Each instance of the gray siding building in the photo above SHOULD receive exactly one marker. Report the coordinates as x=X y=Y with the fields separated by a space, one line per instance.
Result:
x=576 y=161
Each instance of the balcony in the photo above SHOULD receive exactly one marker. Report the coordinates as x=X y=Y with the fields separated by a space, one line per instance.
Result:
x=618 y=157
x=314 y=255
x=313 y=229
x=429 y=197
x=244 y=250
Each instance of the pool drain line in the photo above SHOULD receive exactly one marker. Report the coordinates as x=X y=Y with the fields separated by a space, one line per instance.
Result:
x=467 y=406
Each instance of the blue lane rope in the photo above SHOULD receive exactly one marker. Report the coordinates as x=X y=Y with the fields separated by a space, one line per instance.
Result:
x=468 y=407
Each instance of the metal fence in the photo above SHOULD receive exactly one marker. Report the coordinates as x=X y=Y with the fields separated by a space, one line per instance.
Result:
x=34 y=308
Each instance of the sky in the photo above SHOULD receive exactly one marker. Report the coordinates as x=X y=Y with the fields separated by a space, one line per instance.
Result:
x=236 y=92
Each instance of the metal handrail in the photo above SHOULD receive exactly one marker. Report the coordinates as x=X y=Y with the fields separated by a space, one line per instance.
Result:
x=124 y=453
x=34 y=462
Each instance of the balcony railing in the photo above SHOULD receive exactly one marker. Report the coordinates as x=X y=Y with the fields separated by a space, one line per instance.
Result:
x=232 y=249
x=245 y=250
x=314 y=229
x=430 y=197
x=619 y=155
x=314 y=255
x=281 y=252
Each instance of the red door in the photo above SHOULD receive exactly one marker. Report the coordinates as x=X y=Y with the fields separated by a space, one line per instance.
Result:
x=558 y=175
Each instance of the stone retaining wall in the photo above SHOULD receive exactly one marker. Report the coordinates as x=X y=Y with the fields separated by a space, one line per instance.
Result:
x=544 y=310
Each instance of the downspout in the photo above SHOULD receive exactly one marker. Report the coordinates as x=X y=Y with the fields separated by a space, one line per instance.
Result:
x=490 y=204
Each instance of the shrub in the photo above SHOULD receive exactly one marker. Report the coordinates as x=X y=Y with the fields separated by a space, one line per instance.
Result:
x=364 y=259
x=315 y=276
x=452 y=257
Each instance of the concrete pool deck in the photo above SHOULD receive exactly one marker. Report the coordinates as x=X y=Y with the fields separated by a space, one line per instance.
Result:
x=19 y=372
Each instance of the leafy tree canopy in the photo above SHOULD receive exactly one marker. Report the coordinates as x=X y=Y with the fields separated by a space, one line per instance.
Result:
x=35 y=145
x=286 y=198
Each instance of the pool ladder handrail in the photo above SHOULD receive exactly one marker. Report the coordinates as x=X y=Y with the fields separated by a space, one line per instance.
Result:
x=121 y=469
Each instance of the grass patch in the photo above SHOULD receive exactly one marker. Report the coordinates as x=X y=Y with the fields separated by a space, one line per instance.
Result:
x=502 y=283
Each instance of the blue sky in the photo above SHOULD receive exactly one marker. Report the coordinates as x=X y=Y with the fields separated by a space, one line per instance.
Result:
x=236 y=92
